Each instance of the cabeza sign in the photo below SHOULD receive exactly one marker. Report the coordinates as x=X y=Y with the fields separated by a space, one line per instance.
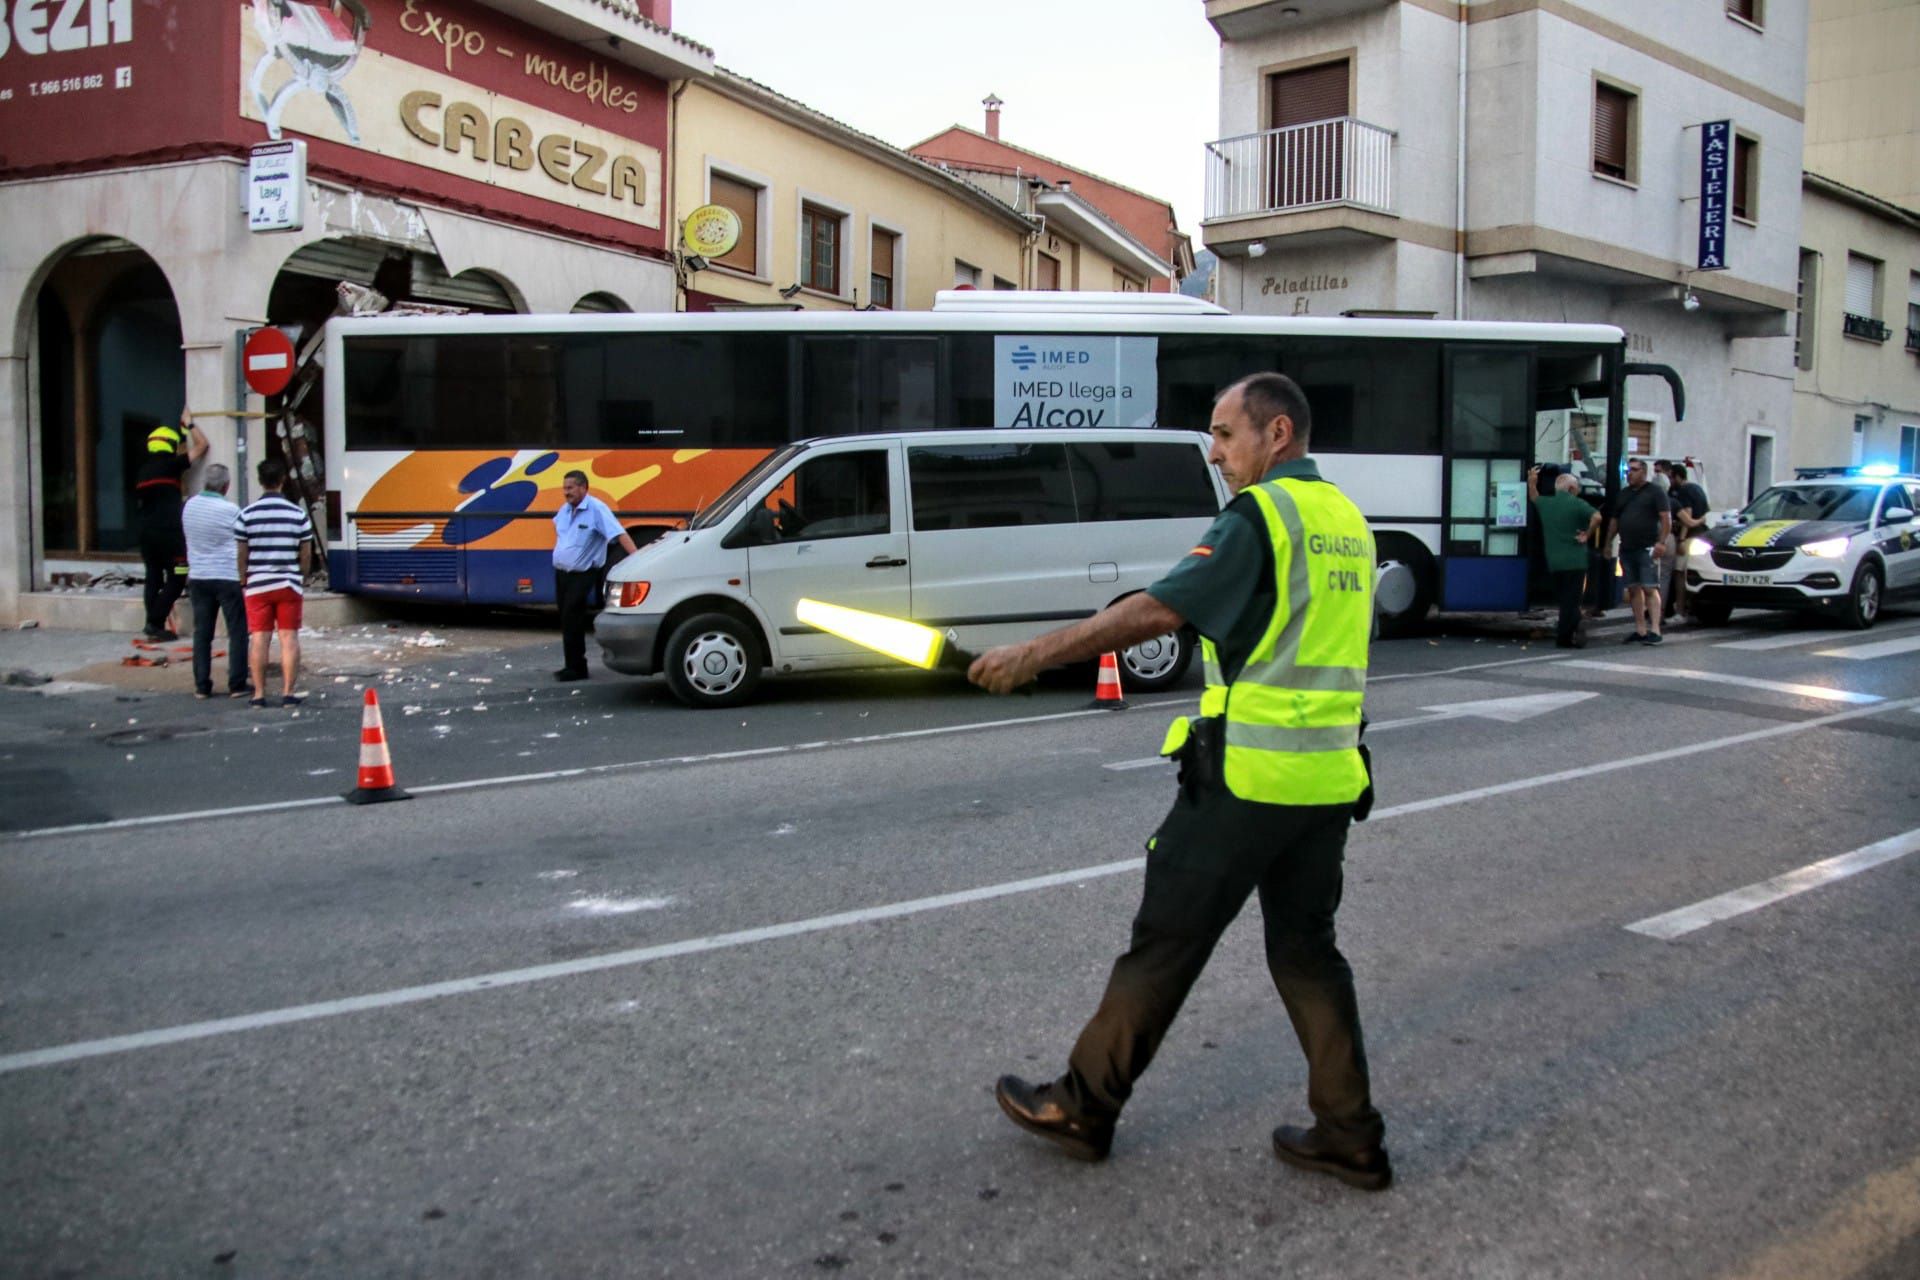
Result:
x=297 y=80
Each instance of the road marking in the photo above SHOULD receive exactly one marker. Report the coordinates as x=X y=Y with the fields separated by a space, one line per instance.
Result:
x=1503 y=710
x=1790 y=640
x=1881 y=1214
x=1674 y=924
x=1746 y=682
x=1879 y=649
x=579 y=771
x=623 y=959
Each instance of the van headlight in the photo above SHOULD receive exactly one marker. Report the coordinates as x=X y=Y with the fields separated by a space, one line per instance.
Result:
x=1699 y=547
x=1830 y=549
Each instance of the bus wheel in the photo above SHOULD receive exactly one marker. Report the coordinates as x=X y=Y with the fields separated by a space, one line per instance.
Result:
x=712 y=660
x=1156 y=664
x=1403 y=614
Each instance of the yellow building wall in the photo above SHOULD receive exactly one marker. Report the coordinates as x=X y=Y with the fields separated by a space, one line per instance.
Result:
x=714 y=131
x=1863 y=111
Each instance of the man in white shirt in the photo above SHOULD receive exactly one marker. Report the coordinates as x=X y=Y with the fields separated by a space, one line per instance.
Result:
x=582 y=529
x=213 y=583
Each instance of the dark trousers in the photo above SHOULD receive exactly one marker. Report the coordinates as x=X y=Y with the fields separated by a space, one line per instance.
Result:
x=211 y=596
x=1602 y=593
x=1208 y=856
x=165 y=557
x=1568 y=586
x=575 y=594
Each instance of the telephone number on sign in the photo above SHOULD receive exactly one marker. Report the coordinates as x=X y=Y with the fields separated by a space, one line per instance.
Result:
x=72 y=84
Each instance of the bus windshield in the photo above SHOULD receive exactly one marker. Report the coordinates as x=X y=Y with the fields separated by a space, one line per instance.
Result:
x=723 y=506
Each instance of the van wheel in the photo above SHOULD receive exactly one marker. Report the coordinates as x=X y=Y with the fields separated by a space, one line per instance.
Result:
x=1863 y=602
x=712 y=660
x=1156 y=664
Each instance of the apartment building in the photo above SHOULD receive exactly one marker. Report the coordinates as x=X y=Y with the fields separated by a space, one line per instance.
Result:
x=1527 y=160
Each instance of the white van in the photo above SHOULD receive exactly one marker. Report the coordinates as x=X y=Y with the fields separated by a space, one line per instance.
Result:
x=992 y=535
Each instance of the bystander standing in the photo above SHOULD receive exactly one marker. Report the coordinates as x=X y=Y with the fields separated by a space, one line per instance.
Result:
x=213 y=582
x=275 y=539
x=1639 y=515
x=582 y=528
x=1565 y=525
x=1689 y=502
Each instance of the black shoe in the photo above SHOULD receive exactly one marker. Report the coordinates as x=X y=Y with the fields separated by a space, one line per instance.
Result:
x=1563 y=644
x=1036 y=1108
x=568 y=673
x=1308 y=1149
x=1635 y=638
x=1653 y=637
x=160 y=636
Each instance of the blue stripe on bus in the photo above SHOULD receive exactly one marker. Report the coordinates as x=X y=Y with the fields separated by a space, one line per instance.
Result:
x=454 y=575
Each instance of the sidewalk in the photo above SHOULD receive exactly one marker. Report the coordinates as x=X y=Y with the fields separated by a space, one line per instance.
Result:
x=52 y=660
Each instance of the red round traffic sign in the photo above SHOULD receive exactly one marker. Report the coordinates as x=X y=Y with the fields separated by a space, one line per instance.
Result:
x=268 y=360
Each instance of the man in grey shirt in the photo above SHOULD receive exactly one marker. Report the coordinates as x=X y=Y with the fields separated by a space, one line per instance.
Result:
x=213 y=583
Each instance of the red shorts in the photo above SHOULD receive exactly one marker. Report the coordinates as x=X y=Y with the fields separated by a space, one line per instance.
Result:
x=278 y=609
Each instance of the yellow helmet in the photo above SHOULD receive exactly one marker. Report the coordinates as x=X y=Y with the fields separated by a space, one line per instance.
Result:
x=164 y=440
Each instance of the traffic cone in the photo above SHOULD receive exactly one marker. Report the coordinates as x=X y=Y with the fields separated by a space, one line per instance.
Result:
x=376 y=765
x=1106 y=694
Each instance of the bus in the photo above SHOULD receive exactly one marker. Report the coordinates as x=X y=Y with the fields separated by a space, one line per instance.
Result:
x=447 y=438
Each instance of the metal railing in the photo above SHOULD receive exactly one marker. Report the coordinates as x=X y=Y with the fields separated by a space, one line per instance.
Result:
x=1339 y=161
x=1913 y=339
x=1864 y=327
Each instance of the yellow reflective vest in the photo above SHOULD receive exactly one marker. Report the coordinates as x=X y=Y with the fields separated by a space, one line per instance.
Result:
x=1293 y=713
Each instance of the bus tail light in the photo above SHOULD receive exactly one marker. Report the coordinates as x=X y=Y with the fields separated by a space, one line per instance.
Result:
x=632 y=593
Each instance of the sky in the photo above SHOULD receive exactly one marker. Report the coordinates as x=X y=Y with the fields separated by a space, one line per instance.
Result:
x=1127 y=89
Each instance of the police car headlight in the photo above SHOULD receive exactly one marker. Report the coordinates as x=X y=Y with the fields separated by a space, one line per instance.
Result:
x=1831 y=549
x=1699 y=547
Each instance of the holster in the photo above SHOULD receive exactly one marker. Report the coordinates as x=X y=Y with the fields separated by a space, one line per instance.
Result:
x=1198 y=748
x=1364 y=805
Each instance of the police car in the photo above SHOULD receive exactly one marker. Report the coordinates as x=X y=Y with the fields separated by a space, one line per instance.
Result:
x=1842 y=541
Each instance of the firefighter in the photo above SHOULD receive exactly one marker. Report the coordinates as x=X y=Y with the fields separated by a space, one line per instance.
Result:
x=157 y=495
x=1280 y=589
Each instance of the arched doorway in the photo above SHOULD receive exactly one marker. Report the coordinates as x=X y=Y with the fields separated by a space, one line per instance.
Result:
x=109 y=370
x=600 y=303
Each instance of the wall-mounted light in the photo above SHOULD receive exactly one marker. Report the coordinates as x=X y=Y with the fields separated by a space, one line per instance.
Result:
x=1289 y=12
x=1258 y=249
x=1691 y=302
x=694 y=262
x=790 y=290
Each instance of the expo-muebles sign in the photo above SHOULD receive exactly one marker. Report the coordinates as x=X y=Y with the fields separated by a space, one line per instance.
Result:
x=307 y=69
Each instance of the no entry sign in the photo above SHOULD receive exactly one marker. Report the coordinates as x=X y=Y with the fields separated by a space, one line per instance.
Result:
x=268 y=357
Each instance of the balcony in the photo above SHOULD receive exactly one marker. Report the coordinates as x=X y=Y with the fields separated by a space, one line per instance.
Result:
x=1305 y=166
x=1913 y=339
x=1864 y=327
x=1250 y=19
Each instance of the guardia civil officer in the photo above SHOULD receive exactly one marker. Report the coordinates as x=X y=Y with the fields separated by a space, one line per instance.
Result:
x=1281 y=591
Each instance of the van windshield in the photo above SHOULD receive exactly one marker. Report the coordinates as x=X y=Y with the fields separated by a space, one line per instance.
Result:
x=727 y=503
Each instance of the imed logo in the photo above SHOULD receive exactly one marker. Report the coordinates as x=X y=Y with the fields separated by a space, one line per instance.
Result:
x=63 y=26
x=1023 y=357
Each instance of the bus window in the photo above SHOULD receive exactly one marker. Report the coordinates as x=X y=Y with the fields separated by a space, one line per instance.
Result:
x=829 y=387
x=906 y=378
x=1378 y=397
x=990 y=486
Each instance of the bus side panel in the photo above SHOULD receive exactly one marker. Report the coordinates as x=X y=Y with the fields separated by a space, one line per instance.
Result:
x=1470 y=584
x=510 y=577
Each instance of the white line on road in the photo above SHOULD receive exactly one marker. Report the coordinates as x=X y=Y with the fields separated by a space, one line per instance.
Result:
x=1819 y=691
x=1879 y=649
x=1674 y=924
x=1790 y=640
x=621 y=959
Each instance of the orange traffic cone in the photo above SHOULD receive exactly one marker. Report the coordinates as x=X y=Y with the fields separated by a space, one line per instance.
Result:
x=1106 y=694
x=376 y=765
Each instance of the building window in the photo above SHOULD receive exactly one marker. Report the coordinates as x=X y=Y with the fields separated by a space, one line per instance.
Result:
x=1001 y=282
x=1909 y=449
x=1046 y=272
x=880 y=279
x=1615 y=131
x=744 y=199
x=1746 y=177
x=1127 y=284
x=820 y=248
x=1747 y=11
x=965 y=275
x=1862 y=317
x=1913 y=311
x=1805 y=301
x=1860 y=425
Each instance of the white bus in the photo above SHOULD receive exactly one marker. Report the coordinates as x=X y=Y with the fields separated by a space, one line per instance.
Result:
x=447 y=438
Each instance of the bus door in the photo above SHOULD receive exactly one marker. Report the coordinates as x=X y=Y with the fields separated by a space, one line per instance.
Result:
x=1488 y=424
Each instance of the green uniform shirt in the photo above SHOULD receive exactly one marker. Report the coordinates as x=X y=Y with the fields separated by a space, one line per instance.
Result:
x=1224 y=587
x=1562 y=518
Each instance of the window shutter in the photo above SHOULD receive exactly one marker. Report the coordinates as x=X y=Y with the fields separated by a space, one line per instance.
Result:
x=1748 y=9
x=744 y=201
x=1913 y=288
x=1860 y=272
x=1743 y=201
x=1309 y=94
x=1611 y=108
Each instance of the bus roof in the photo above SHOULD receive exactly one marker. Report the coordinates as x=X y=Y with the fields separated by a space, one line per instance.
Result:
x=1004 y=312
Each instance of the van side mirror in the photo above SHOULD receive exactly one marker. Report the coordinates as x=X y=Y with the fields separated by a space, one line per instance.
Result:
x=757 y=530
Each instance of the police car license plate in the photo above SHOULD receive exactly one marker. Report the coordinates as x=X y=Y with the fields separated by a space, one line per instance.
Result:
x=1748 y=579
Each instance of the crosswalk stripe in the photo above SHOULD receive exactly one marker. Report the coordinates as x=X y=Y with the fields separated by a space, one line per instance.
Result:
x=1878 y=649
x=1714 y=677
x=1673 y=924
x=1790 y=640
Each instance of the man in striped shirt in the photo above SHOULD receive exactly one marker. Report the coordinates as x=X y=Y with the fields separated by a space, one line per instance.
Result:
x=275 y=541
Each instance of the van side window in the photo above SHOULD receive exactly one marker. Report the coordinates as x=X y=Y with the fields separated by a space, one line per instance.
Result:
x=1116 y=480
x=989 y=486
x=841 y=495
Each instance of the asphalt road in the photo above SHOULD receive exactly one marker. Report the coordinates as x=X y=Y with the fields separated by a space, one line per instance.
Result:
x=633 y=990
